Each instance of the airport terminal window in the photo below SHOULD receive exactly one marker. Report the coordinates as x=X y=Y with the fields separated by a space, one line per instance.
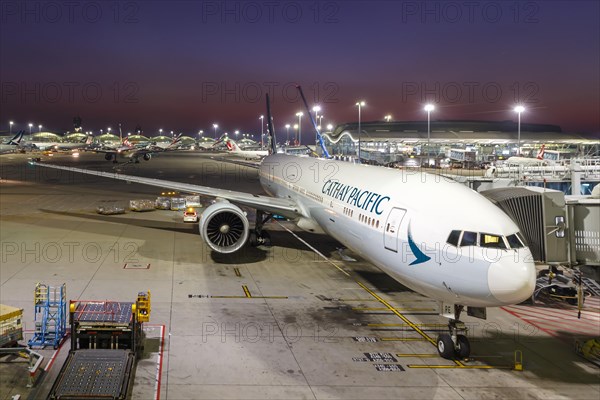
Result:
x=469 y=239
x=453 y=238
x=491 y=241
x=514 y=242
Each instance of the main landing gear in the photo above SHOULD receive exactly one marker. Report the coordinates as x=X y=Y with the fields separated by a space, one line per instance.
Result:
x=454 y=344
x=258 y=236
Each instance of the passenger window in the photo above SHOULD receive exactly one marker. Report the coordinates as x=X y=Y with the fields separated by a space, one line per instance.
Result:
x=514 y=242
x=492 y=241
x=453 y=238
x=469 y=239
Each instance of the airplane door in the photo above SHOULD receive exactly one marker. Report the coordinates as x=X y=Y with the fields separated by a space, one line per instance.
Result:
x=392 y=228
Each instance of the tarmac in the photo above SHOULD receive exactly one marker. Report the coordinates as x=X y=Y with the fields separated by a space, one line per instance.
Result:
x=285 y=321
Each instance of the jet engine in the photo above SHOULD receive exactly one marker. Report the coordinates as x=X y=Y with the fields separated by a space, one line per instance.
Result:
x=224 y=227
x=147 y=156
x=108 y=156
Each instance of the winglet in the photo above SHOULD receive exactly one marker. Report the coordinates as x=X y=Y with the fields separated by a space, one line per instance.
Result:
x=273 y=146
x=312 y=120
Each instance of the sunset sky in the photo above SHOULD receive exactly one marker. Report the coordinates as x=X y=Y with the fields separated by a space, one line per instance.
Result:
x=184 y=65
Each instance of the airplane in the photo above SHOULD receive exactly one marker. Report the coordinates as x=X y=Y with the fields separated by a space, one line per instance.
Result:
x=12 y=144
x=75 y=146
x=424 y=231
x=133 y=153
x=233 y=148
x=538 y=160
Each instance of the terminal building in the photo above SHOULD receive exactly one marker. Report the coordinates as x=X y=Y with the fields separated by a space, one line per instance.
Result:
x=483 y=141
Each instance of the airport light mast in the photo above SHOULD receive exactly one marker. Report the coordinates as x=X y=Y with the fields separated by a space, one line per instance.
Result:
x=519 y=109
x=360 y=105
x=39 y=128
x=287 y=136
x=30 y=126
x=262 y=142
x=10 y=123
x=215 y=126
x=316 y=109
x=429 y=108
x=299 y=115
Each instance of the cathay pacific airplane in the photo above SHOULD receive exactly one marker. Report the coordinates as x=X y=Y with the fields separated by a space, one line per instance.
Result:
x=12 y=144
x=435 y=236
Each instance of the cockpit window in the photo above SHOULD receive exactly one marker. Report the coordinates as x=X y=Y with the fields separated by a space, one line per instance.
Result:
x=514 y=242
x=469 y=239
x=453 y=238
x=492 y=241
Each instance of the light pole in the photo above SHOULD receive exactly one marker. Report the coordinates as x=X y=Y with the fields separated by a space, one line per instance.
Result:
x=360 y=105
x=299 y=115
x=160 y=132
x=387 y=118
x=30 y=126
x=236 y=134
x=215 y=126
x=262 y=142
x=200 y=132
x=295 y=134
x=329 y=127
x=287 y=136
x=39 y=128
x=10 y=123
x=519 y=110
x=429 y=108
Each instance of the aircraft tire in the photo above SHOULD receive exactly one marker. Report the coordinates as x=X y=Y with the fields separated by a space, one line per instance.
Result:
x=463 y=349
x=266 y=238
x=445 y=346
x=253 y=238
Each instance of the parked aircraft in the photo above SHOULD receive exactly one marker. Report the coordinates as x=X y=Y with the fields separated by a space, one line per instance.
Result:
x=233 y=148
x=436 y=237
x=12 y=144
x=132 y=153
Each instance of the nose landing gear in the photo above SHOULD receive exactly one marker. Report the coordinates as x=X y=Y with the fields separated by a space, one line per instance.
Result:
x=454 y=344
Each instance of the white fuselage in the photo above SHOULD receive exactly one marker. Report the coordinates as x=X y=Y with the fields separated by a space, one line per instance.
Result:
x=401 y=220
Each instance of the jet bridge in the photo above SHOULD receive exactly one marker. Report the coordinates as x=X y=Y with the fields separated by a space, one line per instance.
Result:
x=559 y=229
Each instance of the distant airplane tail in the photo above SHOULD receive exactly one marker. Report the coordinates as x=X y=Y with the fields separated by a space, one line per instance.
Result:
x=232 y=145
x=320 y=141
x=15 y=140
x=540 y=154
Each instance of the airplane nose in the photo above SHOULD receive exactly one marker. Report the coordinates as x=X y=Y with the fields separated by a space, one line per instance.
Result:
x=511 y=280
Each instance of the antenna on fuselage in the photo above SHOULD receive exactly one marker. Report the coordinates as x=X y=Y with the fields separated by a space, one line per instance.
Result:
x=273 y=146
x=312 y=120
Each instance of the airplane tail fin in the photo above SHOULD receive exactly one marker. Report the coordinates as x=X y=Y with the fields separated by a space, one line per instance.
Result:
x=320 y=141
x=232 y=145
x=17 y=138
x=540 y=154
x=270 y=129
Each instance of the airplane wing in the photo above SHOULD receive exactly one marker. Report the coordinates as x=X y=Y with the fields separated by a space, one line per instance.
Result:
x=284 y=207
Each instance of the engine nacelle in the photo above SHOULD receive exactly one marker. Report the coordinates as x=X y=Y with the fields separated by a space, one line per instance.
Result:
x=108 y=156
x=147 y=156
x=224 y=227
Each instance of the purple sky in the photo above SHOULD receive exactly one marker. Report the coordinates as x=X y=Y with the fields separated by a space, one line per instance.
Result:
x=184 y=65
